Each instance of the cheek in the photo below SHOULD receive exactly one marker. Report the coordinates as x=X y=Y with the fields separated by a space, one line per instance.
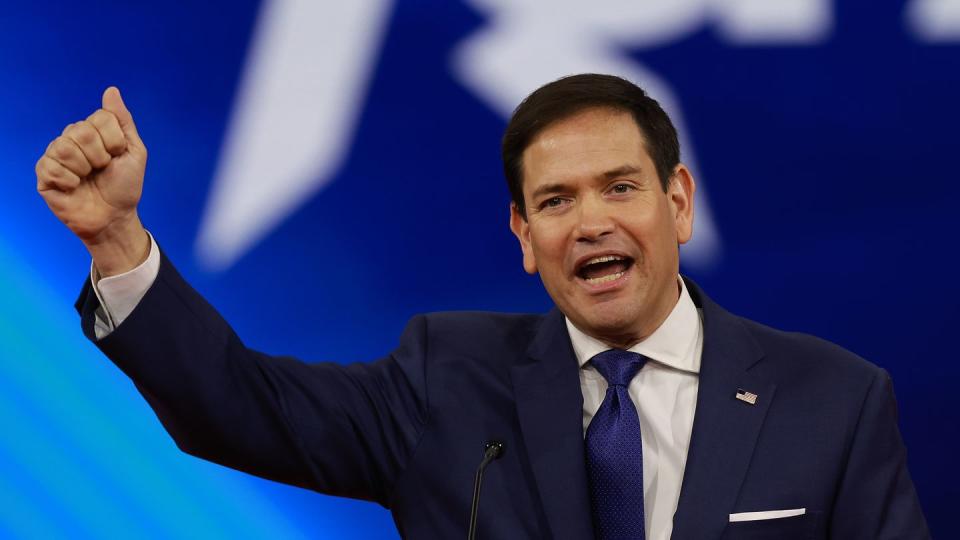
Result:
x=549 y=251
x=657 y=237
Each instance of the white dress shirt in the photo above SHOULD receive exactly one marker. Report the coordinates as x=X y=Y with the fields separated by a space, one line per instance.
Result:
x=120 y=294
x=664 y=392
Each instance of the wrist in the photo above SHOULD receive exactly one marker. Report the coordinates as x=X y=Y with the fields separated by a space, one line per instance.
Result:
x=120 y=247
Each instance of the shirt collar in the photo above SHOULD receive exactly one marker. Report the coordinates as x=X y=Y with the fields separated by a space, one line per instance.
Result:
x=672 y=344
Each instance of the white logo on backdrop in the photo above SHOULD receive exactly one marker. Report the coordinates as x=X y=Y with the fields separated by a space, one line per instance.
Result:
x=306 y=77
x=934 y=21
x=293 y=120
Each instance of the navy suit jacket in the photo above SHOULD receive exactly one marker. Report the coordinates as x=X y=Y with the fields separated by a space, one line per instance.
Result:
x=408 y=431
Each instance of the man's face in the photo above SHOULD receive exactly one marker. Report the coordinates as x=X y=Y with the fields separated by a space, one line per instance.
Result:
x=600 y=230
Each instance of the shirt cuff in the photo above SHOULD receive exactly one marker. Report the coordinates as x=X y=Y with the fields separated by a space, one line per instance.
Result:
x=120 y=294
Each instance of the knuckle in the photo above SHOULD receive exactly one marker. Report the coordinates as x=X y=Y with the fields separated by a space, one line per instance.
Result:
x=50 y=147
x=51 y=176
x=53 y=170
x=85 y=134
x=104 y=119
x=98 y=118
x=99 y=161
x=40 y=168
x=100 y=158
x=63 y=149
x=114 y=142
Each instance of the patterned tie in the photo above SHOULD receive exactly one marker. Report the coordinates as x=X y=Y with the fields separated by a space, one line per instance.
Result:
x=614 y=451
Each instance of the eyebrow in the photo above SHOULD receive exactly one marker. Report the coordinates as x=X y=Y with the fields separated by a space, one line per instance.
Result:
x=549 y=189
x=557 y=187
x=624 y=170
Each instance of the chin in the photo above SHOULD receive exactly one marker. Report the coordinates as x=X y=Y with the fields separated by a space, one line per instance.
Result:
x=609 y=323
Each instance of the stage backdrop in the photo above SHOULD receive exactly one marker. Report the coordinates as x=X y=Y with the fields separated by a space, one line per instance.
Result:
x=321 y=171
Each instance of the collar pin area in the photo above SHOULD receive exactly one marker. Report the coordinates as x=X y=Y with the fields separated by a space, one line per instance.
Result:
x=748 y=397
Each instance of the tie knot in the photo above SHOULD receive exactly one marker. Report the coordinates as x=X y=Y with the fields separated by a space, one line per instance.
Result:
x=618 y=366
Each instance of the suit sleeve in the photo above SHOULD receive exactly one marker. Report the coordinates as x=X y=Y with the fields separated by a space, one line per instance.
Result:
x=345 y=430
x=876 y=498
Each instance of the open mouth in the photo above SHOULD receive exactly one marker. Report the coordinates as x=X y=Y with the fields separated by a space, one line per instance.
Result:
x=604 y=269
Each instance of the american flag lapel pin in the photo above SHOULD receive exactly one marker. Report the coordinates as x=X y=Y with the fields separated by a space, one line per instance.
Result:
x=748 y=397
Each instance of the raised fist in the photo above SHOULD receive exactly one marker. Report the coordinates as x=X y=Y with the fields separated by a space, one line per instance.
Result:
x=91 y=177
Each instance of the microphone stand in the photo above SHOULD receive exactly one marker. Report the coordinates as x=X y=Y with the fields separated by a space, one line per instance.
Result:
x=492 y=450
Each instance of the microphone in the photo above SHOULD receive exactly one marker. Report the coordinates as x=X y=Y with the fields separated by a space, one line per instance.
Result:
x=491 y=451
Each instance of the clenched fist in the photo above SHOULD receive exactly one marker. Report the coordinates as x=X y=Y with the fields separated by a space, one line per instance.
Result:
x=91 y=177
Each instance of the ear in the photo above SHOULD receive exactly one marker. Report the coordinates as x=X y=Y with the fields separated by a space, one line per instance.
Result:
x=521 y=229
x=680 y=197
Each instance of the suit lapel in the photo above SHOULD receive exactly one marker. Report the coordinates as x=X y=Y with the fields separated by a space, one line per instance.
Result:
x=550 y=410
x=725 y=429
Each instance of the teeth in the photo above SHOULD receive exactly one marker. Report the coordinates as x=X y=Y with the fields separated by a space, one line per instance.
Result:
x=604 y=279
x=603 y=259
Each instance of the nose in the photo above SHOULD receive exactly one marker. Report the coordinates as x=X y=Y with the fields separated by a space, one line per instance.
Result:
x=595 y=220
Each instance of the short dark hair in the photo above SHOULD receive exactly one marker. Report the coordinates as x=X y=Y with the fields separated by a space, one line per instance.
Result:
x=564 y=98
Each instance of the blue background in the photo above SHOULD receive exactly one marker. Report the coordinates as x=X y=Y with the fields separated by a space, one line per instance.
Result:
x=831 y=170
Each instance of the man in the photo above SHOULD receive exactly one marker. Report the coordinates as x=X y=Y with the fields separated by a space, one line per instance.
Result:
x=637 y=408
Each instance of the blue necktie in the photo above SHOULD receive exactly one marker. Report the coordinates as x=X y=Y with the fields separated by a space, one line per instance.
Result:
x=615 y=453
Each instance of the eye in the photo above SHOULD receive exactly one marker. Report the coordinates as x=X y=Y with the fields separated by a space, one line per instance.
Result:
x=552 y=202
x=622 y=188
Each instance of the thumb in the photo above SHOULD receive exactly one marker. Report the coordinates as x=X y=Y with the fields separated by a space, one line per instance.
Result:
x=113 y=103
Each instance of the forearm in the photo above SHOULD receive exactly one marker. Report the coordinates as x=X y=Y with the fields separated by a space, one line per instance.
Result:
x=205 y=386
x=303 y=424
